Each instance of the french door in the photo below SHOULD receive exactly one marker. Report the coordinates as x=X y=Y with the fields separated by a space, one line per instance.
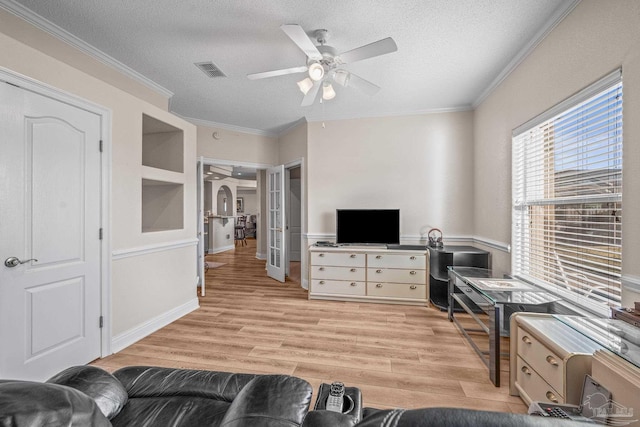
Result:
x=275 y=223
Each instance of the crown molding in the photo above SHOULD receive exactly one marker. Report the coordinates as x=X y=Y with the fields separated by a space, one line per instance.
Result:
x=555 y=19
x=63 y=35
x=459 y=109
x=211 y=124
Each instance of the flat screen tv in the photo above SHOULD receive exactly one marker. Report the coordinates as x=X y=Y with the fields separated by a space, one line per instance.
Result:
x=368 y=226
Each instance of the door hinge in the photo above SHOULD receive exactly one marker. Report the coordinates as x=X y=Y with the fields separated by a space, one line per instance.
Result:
x=100 y=234
x=101 y=321
x=101 y=146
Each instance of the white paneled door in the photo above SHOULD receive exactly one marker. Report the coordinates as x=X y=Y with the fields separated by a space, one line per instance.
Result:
x=50 y=260
x=275 y=223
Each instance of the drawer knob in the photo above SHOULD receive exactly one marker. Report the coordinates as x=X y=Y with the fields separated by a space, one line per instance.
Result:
x=353 y=284
x=412 y=258
x=525 y=370
x=413 y=273
x=379 y=285
x=352 y=256
x=378 y=256
x=321 y=269
x=353 y=270
x=321 y=282
x=321 y=255
x=526 y=340
x=552 y=360
x=412 y=287
x=378 y=271
x=552 y=397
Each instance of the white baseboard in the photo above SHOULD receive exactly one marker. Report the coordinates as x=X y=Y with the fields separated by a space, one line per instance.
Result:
x=261 y=256
x=133 y=335
x=221 y=249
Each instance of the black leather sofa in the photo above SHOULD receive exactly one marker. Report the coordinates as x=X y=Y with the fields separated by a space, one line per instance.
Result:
x=152 y=396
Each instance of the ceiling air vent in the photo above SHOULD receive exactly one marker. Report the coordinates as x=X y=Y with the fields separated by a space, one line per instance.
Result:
x=210 y=69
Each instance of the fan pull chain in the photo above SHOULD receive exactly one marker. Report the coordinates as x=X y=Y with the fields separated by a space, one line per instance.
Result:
x=322 y=102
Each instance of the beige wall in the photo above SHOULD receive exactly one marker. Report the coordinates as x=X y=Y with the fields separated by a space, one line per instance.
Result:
x=420 y=164
x=595 y=39
x=241 y=147
x=138 y=296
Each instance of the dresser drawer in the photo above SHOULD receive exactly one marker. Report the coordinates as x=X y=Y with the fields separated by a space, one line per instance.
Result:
x=545 y=362
x=415 y=262
x=392 y=275
x=338 y=273
x=397 y=290
x=338 y=259
x=534 y=385
x=337 y=287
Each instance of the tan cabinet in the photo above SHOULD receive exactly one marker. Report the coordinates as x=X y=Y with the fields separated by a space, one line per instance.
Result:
x=374 y=275
x=548 y=359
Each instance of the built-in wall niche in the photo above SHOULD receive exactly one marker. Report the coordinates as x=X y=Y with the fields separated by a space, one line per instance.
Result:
x=162 y=206
x=225 y=201
x=162 y=145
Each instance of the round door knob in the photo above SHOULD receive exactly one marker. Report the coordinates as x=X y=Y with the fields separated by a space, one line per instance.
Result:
x=413 y=273
x=526 y=340
x=525 y=370
x=321 y=269
x=353 y=284
x=321 y=282
x=379 y=285
x=353 y=270
x=378 y=256
x=412 y=287
x=412 y=258
x=552 y=397
x=352 y=256
x=321 y=255
x=378 y=271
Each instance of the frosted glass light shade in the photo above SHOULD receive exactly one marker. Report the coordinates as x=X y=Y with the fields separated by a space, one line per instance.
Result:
x=328 y=92
x=305 y=85
x=316 y=71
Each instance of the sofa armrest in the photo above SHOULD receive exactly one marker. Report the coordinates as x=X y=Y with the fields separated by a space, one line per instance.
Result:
x=98 y=384
x=270 y=401
x=323 y=418
x=146 y=381
x=28 y=404
x=457 y=417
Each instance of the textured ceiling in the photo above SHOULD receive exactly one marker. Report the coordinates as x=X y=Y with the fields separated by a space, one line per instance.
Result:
x=449 y=51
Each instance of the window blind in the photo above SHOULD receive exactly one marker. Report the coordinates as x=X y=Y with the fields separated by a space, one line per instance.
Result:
x=567 y=198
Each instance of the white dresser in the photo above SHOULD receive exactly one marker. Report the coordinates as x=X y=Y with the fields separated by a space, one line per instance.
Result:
x=548 y=359
x=369 y=274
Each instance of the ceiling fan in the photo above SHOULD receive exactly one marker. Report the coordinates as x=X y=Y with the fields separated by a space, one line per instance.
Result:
x=323 y=64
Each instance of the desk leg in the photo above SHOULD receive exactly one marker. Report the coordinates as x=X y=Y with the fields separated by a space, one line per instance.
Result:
x=494 y=345
x=450 y=288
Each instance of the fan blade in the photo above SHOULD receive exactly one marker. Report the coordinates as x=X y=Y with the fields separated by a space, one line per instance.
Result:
x=310 y=97
x=347 y=79
x=275 y=73
x=299 y=37
x=381 y=47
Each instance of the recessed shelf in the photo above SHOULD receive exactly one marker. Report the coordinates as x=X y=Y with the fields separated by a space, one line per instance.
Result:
x=162 y=145
x=162 y=206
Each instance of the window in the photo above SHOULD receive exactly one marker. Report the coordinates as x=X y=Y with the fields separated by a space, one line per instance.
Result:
x=567 y=197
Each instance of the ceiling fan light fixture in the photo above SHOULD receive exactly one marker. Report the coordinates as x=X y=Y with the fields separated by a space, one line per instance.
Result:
x=341 y=77
x=316 y=71
x=305 y=85
x=328 y=92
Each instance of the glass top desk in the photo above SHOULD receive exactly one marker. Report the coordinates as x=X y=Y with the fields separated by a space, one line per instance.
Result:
x=490 y=302
x=615 y=335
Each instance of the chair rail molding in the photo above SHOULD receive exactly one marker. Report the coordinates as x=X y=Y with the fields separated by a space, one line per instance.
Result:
x=631 y=283
x=149 y=249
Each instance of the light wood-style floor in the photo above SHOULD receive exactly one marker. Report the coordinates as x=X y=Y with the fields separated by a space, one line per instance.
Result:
x=399 y=356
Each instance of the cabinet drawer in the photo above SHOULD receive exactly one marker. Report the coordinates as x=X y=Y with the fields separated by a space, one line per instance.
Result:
x=338 y=273
x=534 y=385
x=392 y=275
x=415 y=262
x=337 y=287
x=397 y=290
x=338 y=259
x=546 y=363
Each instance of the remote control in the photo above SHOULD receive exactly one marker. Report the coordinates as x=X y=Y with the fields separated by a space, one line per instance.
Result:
x=336 y=397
